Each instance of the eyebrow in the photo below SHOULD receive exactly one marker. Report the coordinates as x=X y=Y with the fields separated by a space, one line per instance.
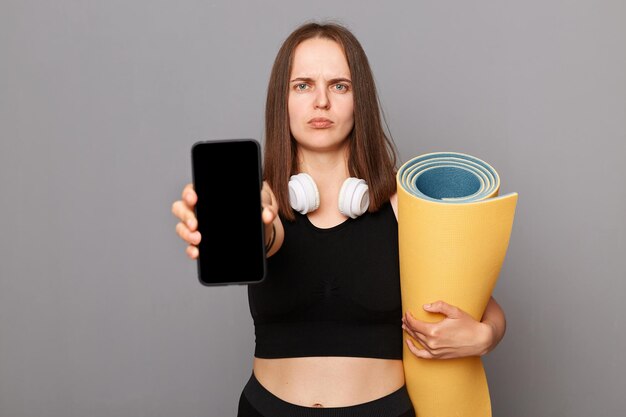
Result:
x=331 y=81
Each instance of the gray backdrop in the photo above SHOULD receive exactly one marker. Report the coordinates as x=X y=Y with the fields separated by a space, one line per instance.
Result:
x=101 y=313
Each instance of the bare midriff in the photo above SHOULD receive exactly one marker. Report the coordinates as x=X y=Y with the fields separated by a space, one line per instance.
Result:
x=329 y=381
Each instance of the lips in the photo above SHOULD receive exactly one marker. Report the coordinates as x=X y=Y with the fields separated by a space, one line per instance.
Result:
x=320 y=123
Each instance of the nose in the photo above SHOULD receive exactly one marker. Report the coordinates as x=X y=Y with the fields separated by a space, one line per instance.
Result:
x=321 y=99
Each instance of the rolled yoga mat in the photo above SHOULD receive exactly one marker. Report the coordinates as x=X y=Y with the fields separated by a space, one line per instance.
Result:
x=453 y=231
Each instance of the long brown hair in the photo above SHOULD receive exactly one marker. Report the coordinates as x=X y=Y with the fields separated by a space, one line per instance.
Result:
x=372 y=154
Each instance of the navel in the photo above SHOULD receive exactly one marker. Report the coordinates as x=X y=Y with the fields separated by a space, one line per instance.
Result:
x=318 y=405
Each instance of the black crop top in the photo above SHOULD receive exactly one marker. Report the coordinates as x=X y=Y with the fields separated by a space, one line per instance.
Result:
x=331 y=292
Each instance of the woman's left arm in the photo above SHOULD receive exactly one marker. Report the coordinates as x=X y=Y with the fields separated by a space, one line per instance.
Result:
x=458 y=334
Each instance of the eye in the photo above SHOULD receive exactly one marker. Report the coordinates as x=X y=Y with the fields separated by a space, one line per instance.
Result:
x=300 y=86
x=341 y=88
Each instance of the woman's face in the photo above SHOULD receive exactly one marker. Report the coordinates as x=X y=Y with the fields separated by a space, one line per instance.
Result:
x=320 y=102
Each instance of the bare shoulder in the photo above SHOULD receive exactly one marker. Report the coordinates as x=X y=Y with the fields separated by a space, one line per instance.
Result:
x=394 y=204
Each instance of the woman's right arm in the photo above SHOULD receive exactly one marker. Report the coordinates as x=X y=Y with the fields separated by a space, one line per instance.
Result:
x=187 y=227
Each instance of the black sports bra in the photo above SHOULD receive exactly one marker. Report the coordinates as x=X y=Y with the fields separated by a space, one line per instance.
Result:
x=331 y=292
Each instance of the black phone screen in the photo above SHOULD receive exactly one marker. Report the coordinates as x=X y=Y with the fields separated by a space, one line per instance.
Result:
x=227 y=179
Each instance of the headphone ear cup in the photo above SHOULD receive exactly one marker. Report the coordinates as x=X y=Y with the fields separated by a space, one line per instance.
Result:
x=303 y=194
x=354 y=197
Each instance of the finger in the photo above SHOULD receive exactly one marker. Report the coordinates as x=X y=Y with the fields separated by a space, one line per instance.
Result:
x=427 y=334
x=420 y=353
x=422 y=339
x=181 y=230
x=268 y=205
x=417 y=325
x=192 y=252
x=266 y=187
x=428 y=352
x=180 y=210
x=410 y=332
x=443 y=308
x=189 y=195
x=176 y=208
x=444 y=354
x=188 y=236
x=268 y=215
x=266 y=197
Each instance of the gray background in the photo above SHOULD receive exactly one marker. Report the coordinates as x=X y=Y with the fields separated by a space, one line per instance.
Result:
x=101 y=313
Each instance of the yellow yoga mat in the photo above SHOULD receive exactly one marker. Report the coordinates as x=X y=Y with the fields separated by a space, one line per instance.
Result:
x=454 y=232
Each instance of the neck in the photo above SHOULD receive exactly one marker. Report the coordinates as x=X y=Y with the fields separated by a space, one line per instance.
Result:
x=324 y=167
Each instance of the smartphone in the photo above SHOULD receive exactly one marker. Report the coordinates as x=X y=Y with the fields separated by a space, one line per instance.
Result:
x=227 y=179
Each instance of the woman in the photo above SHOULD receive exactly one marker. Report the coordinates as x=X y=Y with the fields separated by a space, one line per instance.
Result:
x=328 y=318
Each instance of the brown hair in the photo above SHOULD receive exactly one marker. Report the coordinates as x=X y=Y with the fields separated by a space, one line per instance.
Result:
x=372 y=154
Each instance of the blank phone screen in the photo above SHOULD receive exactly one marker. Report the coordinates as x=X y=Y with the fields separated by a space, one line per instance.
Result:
x=227 y=179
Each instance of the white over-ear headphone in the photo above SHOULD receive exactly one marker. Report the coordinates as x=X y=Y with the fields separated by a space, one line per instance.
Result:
x=354 y=198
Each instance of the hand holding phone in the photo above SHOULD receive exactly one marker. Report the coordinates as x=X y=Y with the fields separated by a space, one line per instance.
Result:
x=187 y=227
x=227 y=180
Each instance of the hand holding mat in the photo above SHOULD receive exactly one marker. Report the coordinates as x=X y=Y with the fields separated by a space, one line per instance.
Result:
x=454 y=232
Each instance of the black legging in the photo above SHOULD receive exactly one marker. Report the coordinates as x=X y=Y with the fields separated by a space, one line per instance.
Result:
x=256 y=401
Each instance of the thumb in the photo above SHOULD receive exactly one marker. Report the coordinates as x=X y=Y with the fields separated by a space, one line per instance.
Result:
x=444 y=308
x=268 y=215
